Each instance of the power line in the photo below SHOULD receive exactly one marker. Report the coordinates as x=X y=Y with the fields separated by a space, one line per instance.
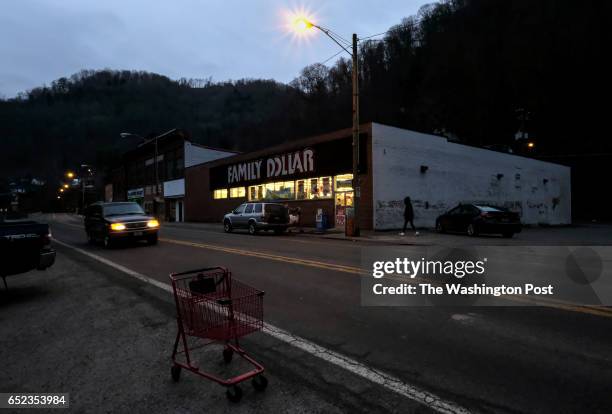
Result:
x=374 y=35
x=336 y=35
x=331 y=57
x=414 y=24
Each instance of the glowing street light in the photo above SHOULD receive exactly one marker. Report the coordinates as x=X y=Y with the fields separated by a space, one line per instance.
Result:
x=70 y=174
x=66 y=185
x=61 y=190
x=300 y=24
x=531 y=145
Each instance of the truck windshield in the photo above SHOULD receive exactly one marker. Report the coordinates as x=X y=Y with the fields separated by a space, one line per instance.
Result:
x=121 y=209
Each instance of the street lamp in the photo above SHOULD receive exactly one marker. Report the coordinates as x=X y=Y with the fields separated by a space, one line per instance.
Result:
x=301 y=24
x=83 y=184
x=70 y=174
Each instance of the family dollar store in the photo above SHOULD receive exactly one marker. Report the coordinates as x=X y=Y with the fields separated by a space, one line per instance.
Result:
x=315 y=174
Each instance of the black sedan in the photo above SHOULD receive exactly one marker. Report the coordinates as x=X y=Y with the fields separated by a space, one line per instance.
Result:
x=110 y=222
x=475 y=219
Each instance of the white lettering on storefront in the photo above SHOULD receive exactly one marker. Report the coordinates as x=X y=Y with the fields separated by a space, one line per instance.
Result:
x=286 y=164
x=244 y=172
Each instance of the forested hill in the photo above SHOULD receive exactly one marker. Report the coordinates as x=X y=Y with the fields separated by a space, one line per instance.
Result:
x=462 y=66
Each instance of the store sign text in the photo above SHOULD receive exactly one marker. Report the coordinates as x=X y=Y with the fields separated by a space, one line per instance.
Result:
x=277 y=166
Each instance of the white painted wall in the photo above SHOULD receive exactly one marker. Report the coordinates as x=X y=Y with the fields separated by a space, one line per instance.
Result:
x=460 y=173
x=174 y=188
x=195 y=154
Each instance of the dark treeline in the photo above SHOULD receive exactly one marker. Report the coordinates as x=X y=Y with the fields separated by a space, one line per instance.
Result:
x=461 y=67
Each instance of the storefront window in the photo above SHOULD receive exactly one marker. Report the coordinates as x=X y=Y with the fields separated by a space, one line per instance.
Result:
x=302 y=190
x=282 y=190
x=256 y=192
x=344 y=182
x=218 y=194
x=320 y=188
x=237 y=192
x=314 y=188
x=308 y=189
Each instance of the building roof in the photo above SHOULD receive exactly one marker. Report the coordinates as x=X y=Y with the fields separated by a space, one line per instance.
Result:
x=286 y=146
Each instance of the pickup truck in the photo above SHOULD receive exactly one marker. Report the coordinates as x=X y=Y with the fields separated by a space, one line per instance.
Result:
x=24 y=245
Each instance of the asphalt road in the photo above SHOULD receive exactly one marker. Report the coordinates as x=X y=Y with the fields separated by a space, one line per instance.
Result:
x=497 y=359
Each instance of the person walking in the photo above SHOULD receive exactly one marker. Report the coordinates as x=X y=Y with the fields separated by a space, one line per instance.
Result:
x=408 y=217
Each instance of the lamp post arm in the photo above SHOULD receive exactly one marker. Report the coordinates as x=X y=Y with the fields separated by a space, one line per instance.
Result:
x=332 y=38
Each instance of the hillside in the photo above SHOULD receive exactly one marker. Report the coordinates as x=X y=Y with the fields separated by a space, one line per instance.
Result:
x=462 y=66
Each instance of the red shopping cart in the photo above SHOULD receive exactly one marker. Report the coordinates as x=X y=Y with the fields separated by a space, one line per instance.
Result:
x=211 y=305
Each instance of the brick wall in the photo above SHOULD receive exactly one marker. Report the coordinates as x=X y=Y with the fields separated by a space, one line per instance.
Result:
x=200 y=205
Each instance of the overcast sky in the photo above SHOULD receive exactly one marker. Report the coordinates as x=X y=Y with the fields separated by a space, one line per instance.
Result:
x=42 y=40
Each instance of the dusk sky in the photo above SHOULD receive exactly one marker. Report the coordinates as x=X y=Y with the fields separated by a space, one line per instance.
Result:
x=43 y=40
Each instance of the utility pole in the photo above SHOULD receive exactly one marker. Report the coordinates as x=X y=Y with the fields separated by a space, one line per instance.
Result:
x=156 y=181
x=356 y=181
x=301 y=24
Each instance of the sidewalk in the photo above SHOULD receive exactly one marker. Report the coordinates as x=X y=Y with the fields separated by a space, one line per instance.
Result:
x=579 y=234
x=392 y=237
x=83 y=328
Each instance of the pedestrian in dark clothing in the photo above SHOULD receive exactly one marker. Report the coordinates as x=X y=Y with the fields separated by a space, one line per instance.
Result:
x=408 y=217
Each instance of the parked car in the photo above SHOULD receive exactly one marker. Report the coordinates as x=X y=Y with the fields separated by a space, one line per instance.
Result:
x=24 y=245
x=475 y=219
x=110 y=222
x=257 y=216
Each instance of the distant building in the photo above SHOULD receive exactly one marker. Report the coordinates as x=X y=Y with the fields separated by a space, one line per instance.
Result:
x=135 y=179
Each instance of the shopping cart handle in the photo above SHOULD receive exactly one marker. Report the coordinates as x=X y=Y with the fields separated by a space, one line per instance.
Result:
x=206 y=269
x=228 y=301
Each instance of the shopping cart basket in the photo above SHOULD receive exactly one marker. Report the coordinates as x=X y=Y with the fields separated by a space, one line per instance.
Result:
x=211 y=305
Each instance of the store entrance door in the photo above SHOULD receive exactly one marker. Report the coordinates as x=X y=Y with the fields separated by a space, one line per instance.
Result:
x=179 y=211
x=344 y=200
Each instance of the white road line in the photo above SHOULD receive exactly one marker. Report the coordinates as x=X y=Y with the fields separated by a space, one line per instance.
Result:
x=355 y=367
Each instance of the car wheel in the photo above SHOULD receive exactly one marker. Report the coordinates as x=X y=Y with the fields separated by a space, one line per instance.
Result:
x=508 y=235
x=439 y=227
x=107 y=242
x=471 y=230
x=252 y=229
x=152 y=240
x=227 y=226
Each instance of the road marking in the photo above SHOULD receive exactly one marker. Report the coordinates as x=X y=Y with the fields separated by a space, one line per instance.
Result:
x=269 y=256
x=387 y=381
x=543 y=302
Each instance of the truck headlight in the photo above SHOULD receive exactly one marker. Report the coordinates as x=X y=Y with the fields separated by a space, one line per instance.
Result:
x=152 y=223
x=117 y=226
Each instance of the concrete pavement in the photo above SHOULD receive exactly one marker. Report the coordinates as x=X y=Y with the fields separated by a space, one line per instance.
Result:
x=485 y=359
x=85 y=329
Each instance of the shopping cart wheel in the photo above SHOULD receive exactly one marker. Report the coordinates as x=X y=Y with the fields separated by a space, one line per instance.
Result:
x=234 y=393
x=227 y=355
x=259 y=383
x=176 y=372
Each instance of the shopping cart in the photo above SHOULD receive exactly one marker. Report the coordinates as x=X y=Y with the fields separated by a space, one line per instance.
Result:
x=211 y=305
